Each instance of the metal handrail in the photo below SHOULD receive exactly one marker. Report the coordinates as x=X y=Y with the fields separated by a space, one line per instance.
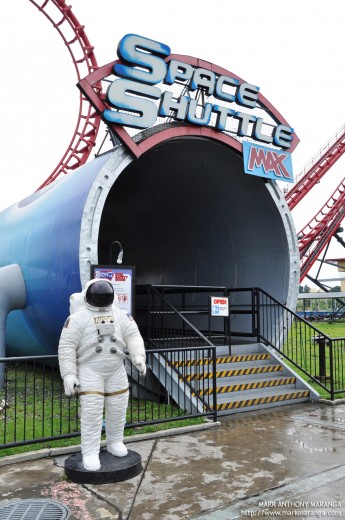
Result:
x=178 y=335
x=188 y=304
x=176 y=312
x=317 y=355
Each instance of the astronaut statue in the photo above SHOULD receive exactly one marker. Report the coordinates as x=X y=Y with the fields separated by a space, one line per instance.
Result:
x=91 y=359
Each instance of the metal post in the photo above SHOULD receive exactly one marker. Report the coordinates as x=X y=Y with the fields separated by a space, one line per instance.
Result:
x=226 y=320
x=229 y=325
x=149 y=312
x=183 y=303
x=214 y=383
x=322 y=356
x=256 y=314
x=209 y=326
x=331 y=367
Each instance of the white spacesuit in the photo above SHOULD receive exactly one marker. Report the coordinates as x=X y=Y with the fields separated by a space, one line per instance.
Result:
x=91 y=355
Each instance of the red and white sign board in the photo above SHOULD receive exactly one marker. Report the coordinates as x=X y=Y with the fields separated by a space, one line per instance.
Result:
x=219 y=306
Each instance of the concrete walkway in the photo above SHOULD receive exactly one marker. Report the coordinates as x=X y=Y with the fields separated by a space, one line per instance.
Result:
x=284 y=462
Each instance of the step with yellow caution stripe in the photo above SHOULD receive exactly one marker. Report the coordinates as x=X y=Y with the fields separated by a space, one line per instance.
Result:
x=221 y=360
x=253 y=385
x=268 y=399
x=235 y=372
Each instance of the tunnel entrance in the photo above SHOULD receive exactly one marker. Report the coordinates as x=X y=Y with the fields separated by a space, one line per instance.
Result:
x=187 y=214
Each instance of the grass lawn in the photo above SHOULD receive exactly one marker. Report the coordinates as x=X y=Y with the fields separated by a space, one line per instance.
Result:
x=334 y=330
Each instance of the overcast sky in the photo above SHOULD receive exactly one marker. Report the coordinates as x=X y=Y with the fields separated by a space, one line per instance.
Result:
x=293 y=51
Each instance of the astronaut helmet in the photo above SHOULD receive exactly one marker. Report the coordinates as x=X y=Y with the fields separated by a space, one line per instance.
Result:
x=99 y=294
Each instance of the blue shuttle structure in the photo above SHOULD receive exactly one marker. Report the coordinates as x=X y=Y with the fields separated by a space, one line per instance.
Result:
x=184 y=211
x=42 y=235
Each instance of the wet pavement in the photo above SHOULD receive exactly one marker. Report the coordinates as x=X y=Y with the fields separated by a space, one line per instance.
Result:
x=283 y=462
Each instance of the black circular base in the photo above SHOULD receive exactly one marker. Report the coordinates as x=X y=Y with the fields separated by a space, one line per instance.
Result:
x=113 y=469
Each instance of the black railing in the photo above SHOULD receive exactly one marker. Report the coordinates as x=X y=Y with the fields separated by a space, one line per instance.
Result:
x=254 y=313
x=168 y=328
x=181 y=313
x=34 y=408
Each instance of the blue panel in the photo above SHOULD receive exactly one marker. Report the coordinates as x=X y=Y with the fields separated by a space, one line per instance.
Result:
x=267 y=162
x=42 y=233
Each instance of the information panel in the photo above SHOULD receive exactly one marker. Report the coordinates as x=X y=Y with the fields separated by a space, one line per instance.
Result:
x=122 y=278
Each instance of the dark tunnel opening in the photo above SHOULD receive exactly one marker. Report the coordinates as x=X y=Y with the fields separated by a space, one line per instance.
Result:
x=187 y=214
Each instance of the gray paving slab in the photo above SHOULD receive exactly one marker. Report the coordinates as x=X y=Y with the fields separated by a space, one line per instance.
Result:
x=45 y=480
x=282 y=462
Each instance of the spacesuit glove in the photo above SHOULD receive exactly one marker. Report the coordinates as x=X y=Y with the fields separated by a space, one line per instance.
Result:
x=70 y=383
x=141 y=366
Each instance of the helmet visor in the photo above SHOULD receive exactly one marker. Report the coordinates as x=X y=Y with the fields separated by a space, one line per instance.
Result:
x=100 y=294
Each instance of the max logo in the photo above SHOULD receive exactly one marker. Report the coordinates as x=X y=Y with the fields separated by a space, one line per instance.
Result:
x=266 y=162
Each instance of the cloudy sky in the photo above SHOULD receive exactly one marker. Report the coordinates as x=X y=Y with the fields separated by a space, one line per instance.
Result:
x=293 y=51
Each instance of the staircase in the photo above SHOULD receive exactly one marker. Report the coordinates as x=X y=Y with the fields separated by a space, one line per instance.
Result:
x=251 y=378
x=189 y=357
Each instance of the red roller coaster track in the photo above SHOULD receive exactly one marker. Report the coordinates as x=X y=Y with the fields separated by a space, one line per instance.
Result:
x=315 y=236
x=82 y=53
x=317 y=167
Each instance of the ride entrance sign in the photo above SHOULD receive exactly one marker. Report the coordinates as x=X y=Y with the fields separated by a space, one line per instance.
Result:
x=178 y=95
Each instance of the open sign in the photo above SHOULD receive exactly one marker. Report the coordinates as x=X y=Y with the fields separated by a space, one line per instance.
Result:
x=219 y=306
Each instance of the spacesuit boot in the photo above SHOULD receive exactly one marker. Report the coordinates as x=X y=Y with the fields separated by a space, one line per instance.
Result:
x=91 y=429
x=91 y=462
x=115 y=407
